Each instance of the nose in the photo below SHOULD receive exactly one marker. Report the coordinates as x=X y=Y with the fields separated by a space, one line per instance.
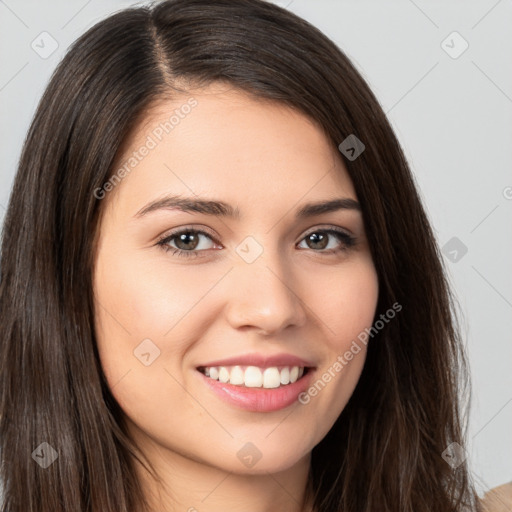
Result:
x=264 y=296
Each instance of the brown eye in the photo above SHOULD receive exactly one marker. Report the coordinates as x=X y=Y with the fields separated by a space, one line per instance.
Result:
x=319 y=240
x=185 y=242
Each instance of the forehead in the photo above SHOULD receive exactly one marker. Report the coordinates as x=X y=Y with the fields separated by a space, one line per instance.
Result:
x=232 y=145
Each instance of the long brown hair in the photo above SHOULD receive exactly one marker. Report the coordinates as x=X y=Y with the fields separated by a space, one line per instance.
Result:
x=384 y=452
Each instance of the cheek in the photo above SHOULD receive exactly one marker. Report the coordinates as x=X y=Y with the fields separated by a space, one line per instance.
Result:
x=151 y=293
x=144 y=306
x=349 y=303
x=347 y=309
x=137 y=298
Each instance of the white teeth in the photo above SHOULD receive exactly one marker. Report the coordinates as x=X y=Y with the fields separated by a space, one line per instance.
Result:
x=237 y=376
x=254 y=377
x=271 y=378
x=223 y=374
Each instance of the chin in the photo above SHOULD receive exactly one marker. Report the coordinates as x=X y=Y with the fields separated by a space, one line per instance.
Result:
x=263 y=457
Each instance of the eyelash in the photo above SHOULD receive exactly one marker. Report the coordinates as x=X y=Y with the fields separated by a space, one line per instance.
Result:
x=347 y=241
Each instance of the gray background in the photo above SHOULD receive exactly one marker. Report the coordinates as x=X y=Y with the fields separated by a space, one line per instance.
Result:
x=452 y=114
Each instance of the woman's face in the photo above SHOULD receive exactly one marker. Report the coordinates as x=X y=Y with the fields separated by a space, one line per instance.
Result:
x=257 y=293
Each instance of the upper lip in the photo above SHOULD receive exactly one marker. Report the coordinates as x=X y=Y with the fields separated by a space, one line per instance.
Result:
x=260 y=360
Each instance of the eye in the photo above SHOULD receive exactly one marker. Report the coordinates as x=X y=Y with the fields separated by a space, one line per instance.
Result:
x=319 y=239
x=187 y=242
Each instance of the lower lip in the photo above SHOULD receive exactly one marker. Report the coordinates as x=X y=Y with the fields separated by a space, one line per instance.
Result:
x=259 y=399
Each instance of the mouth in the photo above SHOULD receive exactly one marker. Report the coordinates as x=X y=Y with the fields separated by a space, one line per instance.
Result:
x=258 y=382
x=271 y=377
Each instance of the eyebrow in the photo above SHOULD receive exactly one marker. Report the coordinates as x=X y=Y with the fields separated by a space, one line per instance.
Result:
x=222 y=209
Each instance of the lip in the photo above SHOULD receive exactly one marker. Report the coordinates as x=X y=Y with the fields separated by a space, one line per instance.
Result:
x=260 y=360
x=258 y=399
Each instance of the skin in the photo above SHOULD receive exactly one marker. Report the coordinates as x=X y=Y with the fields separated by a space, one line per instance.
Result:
x=267 y=160
x=498 y=499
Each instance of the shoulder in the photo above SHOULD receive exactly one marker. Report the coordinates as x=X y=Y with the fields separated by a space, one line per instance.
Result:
x=498 y=499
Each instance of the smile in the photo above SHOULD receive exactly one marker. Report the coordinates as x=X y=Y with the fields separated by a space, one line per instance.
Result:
x=254 y=376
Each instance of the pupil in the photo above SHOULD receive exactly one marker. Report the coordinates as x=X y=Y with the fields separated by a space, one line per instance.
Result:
x=182 y=239
x=318 y=239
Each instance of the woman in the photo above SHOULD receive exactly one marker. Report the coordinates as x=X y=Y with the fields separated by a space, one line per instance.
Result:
x=219 y=287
